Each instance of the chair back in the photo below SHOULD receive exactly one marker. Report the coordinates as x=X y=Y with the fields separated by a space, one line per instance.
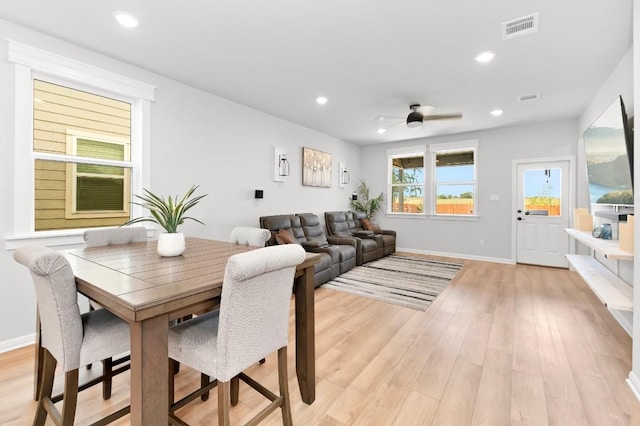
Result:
x=113 y=236
x=250 y=236
x=56 y=293
x=254 y=306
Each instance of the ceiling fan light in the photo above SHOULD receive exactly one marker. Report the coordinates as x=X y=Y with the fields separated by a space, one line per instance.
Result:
x=414 y=119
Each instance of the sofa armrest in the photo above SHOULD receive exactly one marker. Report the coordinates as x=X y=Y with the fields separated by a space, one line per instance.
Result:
x=388 y=232
x=343 y=240
x=312 y=244
x=362 y=233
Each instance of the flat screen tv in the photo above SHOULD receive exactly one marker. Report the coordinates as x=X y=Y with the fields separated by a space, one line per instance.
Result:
x=608 y=146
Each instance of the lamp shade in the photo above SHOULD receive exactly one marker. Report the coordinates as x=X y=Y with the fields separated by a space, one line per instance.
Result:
x=414 y=119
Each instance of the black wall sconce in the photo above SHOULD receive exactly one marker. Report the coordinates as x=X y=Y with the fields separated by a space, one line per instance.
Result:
x=259 y=193
x=354 y=197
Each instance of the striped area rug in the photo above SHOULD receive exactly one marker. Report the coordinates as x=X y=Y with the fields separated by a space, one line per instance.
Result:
x=412 y=282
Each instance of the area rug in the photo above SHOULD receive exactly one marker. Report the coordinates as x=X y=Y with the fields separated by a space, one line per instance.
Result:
x=412 y=282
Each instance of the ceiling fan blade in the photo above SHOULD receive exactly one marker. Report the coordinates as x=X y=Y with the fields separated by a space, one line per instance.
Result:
x=432 y=117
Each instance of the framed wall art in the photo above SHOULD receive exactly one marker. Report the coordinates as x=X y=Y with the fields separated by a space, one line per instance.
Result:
x=316 y=168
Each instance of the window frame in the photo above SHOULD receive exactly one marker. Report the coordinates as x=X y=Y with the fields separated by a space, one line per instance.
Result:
x=447 y=148
x=413 y=151
x=33 y=63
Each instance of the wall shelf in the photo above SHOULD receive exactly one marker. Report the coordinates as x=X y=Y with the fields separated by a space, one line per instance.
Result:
x=609 y=248
x=612 y=291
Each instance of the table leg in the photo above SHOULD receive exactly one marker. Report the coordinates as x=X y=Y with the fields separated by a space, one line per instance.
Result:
x=149 y=372
x=305 y=335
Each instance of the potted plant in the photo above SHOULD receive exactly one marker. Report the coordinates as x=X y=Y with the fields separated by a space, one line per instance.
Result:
x=169 y=214
x=369 y=206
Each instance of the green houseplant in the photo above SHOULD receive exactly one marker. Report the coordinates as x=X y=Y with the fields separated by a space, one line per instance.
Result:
x=369 y=206
x=169 y=213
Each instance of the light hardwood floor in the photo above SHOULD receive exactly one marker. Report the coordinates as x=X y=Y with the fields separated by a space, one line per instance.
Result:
x=502 y=345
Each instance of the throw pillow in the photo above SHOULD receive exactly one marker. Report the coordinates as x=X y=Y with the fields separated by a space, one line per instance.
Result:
x=284 y=236
x=371 y=225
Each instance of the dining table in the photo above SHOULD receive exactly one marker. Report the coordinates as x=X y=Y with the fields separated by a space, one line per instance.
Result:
x=138 y=285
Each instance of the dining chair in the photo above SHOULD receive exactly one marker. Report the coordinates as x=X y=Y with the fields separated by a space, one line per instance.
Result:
x=250 y=236
x=108 y=237
x=251 y=323
x=69 y=338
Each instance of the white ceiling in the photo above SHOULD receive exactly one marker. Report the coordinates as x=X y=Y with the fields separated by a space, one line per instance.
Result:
x=369 y=58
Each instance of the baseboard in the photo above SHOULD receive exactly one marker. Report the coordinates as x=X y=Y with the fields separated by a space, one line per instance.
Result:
x=634 y=384
x=457 y=255
x=18 y=342
x=625 y=319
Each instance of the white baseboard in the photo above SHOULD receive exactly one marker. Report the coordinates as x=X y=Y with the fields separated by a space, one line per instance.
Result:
x=18 y=342
x=634 y=384
x=458 y=255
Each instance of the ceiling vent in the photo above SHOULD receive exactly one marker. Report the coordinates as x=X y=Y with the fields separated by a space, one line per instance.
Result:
x=520 y=26
x=529 y=97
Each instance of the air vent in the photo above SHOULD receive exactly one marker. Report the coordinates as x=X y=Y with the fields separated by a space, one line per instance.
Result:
x=520 y=26
x=529 y=97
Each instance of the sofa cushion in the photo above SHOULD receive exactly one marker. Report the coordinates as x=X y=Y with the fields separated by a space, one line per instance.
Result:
x=285 y=236
x=312 y=229
x=371 y=225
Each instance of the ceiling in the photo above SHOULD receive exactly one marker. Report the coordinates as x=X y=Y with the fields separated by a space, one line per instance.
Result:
x=369 y=58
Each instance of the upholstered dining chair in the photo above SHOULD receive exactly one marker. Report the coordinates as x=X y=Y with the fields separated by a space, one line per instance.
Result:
x=252 y=322
x=250 y=236
x=68 y=337
x=113 y=236
x=108 y=237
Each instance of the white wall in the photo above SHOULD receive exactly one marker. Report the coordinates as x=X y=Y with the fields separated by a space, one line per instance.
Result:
x=197 y=138
x=496 y=150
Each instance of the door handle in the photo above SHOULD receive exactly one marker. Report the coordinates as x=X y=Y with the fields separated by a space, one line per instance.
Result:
x=527 y=212
x=519 y=211
x=519 y=218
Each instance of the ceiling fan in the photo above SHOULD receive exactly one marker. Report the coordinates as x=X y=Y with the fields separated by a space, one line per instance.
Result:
x=420 y=114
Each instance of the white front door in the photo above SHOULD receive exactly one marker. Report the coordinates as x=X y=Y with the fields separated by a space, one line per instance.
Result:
x=542 y=212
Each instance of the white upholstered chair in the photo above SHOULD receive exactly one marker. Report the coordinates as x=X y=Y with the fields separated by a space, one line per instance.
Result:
x=252 y=322
x=108 y=237
x=68 y=338
x=250 y=236
x=113 y=236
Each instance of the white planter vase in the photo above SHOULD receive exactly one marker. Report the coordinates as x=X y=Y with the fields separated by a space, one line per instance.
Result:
x=171 y=244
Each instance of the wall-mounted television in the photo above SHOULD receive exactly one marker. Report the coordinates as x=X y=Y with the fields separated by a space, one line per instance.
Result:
x=608 y=146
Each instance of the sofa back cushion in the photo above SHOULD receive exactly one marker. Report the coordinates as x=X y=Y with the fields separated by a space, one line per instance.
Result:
x=337 y=223
x=312 y=229
x=357 y=217
x=287 y=222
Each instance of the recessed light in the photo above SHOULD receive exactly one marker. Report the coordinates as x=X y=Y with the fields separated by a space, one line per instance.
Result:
x=126 y=19
x=321 y=100
x=381 y=131
x=485 y=57
x=497 y=112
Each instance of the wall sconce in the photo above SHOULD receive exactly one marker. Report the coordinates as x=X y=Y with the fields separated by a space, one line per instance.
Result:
x=281 y=167
x=343 y=175
x=354 y=196
x=259 y=194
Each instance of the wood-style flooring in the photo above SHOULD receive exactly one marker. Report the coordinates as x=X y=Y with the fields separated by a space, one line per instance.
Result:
x=502 y=345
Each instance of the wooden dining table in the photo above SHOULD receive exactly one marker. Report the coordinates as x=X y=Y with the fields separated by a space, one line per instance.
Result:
x=148 y=291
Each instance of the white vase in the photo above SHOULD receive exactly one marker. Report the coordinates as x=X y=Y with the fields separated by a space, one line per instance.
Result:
x=171 y=244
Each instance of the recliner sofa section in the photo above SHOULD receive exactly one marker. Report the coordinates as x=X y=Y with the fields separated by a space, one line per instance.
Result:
x=370 y=245
x=337 y=255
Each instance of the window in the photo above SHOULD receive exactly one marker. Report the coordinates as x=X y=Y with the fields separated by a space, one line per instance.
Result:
x=454 y=178
x=82 y=136
x=407 y=182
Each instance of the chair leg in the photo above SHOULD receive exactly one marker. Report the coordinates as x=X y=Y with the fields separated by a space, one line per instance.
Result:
x=223 y=403
x=45 y=388
x=284 y=386
x=172 y=382
x=235 y=390
x=107 y=377
x=70 y=397
x=204 y=381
